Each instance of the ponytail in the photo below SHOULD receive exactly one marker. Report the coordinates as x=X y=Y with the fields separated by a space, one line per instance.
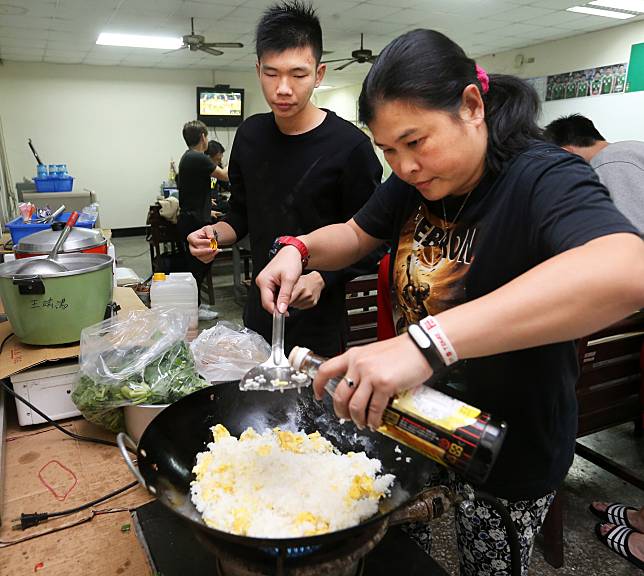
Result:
x=426 y=68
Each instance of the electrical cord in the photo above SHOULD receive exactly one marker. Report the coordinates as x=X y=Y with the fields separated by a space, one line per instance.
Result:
x=513 y=535
x=55 y=424
x=33 y=519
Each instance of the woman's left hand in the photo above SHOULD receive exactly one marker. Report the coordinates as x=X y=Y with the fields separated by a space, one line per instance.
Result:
x=372 y=375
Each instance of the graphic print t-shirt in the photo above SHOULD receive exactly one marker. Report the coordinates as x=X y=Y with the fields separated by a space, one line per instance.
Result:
x=545 y=201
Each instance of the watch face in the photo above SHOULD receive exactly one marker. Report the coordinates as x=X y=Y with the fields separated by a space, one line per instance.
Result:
x=274 y=248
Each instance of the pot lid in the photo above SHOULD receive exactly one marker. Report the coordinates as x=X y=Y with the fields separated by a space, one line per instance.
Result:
x=76 y=263
x=43 y=242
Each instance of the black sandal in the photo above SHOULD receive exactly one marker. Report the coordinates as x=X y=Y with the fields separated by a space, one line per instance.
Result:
x=614 y=514
x=617 y=540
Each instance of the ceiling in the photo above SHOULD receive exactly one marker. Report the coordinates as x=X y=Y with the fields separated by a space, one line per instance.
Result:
x=65 y=31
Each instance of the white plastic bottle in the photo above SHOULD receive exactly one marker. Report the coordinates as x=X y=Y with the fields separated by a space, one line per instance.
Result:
x=177 y=290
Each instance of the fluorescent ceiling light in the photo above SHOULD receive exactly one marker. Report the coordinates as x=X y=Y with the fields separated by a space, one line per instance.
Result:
x=136 y=41
x=599 y=12
x=632 y=5
x=325 y=87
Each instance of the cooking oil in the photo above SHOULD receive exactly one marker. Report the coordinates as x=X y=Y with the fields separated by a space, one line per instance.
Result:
x=453 y=433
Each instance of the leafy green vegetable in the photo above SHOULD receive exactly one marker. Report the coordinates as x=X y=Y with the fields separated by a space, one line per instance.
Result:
x=171 y=376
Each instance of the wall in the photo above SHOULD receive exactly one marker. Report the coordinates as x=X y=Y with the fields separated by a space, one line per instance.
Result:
x=116 y=128
x=618 y=116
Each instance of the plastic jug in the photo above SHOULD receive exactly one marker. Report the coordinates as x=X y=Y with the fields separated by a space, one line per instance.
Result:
x=177 y=290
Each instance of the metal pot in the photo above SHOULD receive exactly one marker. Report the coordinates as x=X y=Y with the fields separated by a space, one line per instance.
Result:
x=79 y=240
x=53 y=308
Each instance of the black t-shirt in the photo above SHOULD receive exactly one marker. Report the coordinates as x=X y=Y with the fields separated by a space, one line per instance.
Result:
x=193 y=181
x=545 y=202
x=291 y=185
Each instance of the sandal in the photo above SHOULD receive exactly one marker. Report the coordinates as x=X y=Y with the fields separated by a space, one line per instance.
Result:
x=617 y=540
x=614 y=514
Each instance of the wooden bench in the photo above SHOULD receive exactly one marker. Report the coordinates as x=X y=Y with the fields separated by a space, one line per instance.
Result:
x=362 y=309
x=608 y=394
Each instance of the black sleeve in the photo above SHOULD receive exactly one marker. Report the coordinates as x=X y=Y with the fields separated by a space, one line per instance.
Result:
x=237 y=216
x=378 y=216
x=362 y=174
x=569 y=207
x=209 y=165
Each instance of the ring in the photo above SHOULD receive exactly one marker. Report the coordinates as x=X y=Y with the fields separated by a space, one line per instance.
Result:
x=350 y=383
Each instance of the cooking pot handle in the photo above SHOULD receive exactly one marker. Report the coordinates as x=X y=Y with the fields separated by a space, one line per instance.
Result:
x=29 y=285
x=123 y=440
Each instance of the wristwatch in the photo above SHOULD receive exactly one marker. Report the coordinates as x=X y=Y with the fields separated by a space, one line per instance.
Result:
x=425 y=344
x=282 y=241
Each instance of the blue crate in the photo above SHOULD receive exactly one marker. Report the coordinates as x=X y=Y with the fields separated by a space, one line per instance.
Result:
x=54 y=183
x=19 y=229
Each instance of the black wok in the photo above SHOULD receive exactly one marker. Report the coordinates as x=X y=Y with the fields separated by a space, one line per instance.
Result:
x=168 y=448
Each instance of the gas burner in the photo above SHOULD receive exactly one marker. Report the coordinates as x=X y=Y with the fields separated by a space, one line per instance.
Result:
x=343 y=558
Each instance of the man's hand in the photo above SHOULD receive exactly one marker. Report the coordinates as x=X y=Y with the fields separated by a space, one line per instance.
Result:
x=199 y=242
x=307 y=290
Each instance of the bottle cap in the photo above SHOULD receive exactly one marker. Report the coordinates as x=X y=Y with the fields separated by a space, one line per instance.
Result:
x=296 y=357
x=158 y=276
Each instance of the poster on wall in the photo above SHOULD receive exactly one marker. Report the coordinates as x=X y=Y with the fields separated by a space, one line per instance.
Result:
x=635 y=79
x=589 y=82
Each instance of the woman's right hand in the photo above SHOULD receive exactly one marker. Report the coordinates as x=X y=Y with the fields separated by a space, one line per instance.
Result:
x=279 y=275
x=199 y=242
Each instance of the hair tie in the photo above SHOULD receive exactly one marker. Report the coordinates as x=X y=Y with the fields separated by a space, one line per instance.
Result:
x=483 y=78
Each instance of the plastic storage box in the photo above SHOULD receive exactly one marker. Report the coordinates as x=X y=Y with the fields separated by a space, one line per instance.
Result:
x=54 y=183
x=19 y=229
x=50 y=389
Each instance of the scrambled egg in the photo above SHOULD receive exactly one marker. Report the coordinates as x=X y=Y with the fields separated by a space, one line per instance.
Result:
x=284 y=484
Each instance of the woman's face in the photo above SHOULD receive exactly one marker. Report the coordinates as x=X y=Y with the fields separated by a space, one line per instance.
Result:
x=439 y=153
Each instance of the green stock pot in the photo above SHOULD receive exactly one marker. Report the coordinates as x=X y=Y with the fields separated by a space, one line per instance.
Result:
x=53 y=308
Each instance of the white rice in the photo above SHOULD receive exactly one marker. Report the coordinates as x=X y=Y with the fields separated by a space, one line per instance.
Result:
x=283 y=484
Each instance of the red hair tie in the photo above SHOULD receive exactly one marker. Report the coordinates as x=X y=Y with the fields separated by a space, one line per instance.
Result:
x=483 y=78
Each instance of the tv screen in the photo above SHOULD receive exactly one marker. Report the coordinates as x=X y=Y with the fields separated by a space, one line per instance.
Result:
x=220 y=106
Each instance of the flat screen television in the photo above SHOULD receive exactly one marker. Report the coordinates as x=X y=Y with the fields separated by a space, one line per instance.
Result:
x=220 y=106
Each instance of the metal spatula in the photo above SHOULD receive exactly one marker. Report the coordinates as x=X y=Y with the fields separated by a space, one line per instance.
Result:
x=276 y=373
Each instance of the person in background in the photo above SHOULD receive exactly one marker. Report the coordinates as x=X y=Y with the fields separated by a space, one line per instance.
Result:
x=219 y=204
x=193 y=182
x=619 y=165
x=482 y=216
x=293 y=170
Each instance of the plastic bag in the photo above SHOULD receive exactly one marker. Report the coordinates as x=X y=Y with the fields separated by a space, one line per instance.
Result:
x=139 y=358
x=227 y=351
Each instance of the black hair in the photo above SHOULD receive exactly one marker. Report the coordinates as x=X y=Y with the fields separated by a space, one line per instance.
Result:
x=289 y=24
x=426 y=68
x=573 y=130
x=214 y=147
x=192 y=132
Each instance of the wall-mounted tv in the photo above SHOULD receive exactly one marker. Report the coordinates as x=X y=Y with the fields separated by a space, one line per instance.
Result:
x=220 y=106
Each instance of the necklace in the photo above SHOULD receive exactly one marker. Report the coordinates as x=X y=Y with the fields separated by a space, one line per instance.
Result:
x=448 y=227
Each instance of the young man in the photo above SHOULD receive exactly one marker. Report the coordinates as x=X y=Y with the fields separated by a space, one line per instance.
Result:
x=193 y=181
x=293 y=170
x=619 y=165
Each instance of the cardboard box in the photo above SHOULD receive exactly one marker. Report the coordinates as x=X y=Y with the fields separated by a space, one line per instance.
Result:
x=47 y=471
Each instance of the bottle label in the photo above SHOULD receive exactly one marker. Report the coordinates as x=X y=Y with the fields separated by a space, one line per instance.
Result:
x=436 y=408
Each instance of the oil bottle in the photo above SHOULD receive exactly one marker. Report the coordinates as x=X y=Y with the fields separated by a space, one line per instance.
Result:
x=454 y=434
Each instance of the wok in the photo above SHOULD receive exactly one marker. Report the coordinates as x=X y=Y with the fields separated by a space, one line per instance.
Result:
x=167 y=451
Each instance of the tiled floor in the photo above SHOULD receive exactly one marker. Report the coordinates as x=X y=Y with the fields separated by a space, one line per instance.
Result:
x=584 y=554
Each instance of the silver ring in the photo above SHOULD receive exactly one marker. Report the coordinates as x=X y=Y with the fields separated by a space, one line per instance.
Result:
x=350 y=383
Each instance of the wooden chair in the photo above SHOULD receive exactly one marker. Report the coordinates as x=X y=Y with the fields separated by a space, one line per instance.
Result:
x=608 y=394
x=362 y=309
x=164 y=240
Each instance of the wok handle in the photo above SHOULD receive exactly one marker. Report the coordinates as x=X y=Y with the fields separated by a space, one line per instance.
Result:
x=123 y=440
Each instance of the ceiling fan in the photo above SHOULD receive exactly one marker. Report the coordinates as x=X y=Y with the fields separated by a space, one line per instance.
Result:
x=196 y=42
x=361 y=56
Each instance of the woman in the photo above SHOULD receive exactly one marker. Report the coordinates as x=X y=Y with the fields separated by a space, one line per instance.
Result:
x=511 y=245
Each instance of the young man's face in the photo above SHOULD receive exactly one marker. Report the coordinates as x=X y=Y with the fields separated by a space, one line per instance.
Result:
x=288 y=79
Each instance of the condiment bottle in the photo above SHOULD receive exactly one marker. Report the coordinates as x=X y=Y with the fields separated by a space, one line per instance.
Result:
x=454 y=434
